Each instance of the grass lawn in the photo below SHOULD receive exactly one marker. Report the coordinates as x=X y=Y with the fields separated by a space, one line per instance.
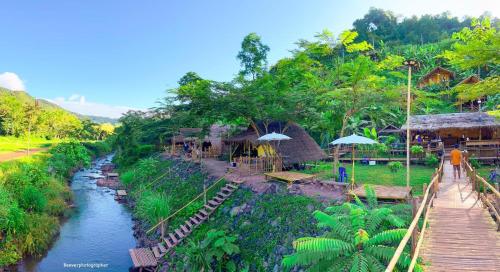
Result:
x=379 y=174
x=10 y=143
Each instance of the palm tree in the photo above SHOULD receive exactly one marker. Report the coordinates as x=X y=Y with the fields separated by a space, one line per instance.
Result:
x=361 y=237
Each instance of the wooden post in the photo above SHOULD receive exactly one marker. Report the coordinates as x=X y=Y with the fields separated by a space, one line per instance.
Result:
x=414 y=234
x=162 y=229
x=408 y=132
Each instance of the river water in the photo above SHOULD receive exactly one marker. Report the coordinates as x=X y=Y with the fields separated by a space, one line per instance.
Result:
x=97 y=235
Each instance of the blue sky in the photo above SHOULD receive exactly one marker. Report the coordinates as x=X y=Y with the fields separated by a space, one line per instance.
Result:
x=103 y=57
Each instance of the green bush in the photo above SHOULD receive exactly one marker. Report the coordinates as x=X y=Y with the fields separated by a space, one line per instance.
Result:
x=474 y=162
x=431 y=160
x=395 y=166
x=67 y=157
x=417 y=149
x=32 y=199
x=41 y=230
x=151 y=207
x=98 y=149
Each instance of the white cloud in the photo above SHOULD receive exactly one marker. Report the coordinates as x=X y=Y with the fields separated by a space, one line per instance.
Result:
x=78 y=104
x=11 y=81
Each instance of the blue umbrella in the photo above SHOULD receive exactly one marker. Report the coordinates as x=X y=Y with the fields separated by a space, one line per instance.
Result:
x=353 y=140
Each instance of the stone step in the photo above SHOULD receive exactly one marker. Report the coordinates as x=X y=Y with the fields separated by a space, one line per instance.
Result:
x=189 y=224
x=213 y=203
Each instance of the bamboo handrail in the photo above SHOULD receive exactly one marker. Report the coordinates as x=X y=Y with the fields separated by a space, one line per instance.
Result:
x=420 y=239
x=185 y=206
x=397 y=254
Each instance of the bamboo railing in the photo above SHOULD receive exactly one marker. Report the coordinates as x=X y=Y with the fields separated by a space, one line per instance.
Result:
x=413 y=233
x=161 y=222
x=258 y=165
x=482 y=188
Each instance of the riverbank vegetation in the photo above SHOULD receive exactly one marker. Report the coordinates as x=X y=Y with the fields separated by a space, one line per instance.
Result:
x=34 y=196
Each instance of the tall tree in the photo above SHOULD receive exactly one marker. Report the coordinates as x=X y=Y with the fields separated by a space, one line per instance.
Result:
x=253 y=56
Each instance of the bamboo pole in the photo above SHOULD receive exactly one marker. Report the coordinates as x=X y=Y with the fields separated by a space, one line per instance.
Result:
x=408 y=136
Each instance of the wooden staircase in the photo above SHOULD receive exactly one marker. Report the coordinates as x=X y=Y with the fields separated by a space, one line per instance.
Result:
x=177 y=236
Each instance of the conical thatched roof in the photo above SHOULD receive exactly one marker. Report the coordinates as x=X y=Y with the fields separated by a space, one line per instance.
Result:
x=301 y=148
x=465 y=120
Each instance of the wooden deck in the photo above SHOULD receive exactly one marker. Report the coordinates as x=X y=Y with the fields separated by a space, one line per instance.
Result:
x=143 y=258
x=398 y=193
x=462 y=236
x=289 y=177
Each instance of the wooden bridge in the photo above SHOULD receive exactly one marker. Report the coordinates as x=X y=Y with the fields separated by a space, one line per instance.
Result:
x=459 y=232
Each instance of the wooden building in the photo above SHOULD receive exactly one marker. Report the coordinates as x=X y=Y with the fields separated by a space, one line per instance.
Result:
x=476 y=132
x=469 y=105
x=438 y=75
x=244 y=147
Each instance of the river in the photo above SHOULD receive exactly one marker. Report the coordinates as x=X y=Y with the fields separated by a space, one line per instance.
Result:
x=97 y=235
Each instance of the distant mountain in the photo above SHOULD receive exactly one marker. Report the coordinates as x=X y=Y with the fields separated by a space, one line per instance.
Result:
x=98 y=119
x=25 y=97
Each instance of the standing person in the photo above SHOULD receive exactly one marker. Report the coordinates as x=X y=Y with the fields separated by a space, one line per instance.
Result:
x=455 y=159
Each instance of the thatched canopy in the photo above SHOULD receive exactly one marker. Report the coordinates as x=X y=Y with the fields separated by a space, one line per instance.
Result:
x=187 y=134
x=301 y=148
x=389 y=129
x=466 y=120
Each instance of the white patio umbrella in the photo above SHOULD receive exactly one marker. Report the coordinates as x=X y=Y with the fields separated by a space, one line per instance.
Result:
x=273 y=137
x=353 y=140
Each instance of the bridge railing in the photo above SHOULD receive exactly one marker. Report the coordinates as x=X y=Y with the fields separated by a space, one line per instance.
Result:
x=485 y=191
x=414 y=234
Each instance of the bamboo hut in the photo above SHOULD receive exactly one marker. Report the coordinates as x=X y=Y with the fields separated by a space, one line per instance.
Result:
x=476 y=132
x=245 y=149
x=471 y=105
x=438 y=75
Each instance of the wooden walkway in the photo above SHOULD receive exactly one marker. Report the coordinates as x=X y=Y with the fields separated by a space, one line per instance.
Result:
x=141 y=257
x=462 y=235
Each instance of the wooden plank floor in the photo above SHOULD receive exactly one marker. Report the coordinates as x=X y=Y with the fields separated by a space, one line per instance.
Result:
x=462 y=235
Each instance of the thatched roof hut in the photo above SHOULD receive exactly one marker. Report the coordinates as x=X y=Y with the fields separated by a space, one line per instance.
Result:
x=438 y=75
x=390 y=129
x=454 y=128
x=464 y=120
x=301 y=148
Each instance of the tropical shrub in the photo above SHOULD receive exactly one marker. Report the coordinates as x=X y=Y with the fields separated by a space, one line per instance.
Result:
x=417 y=149
x=152 y=207
x=431 y=160
x=395 y=166
x=361 y=237
x=474 y=162
x=213 y=253
x=32 y=199
x=66 y=157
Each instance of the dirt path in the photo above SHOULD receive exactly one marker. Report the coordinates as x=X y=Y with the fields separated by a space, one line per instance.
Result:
x=259 y=184
x=19 y=154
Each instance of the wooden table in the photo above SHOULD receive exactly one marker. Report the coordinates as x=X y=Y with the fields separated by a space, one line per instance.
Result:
x=397 y=193
x=289 y=177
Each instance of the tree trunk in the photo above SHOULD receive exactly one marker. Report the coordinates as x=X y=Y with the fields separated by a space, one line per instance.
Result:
x=337 y=148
